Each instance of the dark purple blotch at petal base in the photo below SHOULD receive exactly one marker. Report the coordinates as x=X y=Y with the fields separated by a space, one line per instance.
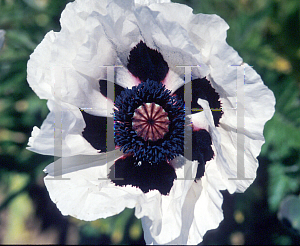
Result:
x=202 y=150
x=201 y=88
x=146 y=176
x=103 y=88
x=146 y=63
x=95 y=131
x=201 y=139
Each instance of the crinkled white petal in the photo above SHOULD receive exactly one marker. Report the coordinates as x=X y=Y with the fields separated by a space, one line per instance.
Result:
x=225 y=137
x=207 y=31
x=258 y=108
x=164 y=212
x=148 y=2
x=83 y=190
x=68 y=140
x=258 y=105
x=79 y=12
x=74 y=59
x=168 y=225
x=182 y=221
x=209 y=205
x=52 y=76
x=223 y=166
x=169 y=37
x=108 y=39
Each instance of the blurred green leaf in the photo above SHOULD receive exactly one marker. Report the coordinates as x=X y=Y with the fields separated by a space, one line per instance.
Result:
x=289 y=212
x=281 y=184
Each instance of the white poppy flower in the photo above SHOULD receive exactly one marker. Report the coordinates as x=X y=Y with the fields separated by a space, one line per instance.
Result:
x=178 y=198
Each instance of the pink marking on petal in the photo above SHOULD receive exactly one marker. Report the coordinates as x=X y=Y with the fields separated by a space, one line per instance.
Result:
x=196 y=128
x=166 y=80
x=136 y=80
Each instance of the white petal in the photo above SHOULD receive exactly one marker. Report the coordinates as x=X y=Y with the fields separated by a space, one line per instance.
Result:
x=78 y=12
x=173 y=81
x=222 y=164
x=71 y=128
x=96 y=50
x=170 y=37
x=168 y=224
x=259 y=104
x=258 y=108
x=56 y=78
x=107 y=37
x=126 y=79
x=148 y=2
x=75 y=163
x=183 y=215
x=207 y=31
x=36 y=74
x=84 y=190
x=225 y=137
x=203 y=204
x=208 y=207
x=178 y=20
x=199 y=121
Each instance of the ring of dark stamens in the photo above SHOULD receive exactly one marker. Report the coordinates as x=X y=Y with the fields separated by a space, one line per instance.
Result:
x=162 y=150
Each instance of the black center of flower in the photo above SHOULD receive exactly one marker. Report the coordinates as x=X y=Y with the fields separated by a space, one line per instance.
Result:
x=149 y=123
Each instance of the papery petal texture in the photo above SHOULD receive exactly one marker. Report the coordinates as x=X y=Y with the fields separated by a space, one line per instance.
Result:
x=200 y=201
x=66 y=69
x=87 y=194
x=70 y=131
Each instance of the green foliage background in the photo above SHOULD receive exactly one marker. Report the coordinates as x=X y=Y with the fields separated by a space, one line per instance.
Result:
x=266 y=33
